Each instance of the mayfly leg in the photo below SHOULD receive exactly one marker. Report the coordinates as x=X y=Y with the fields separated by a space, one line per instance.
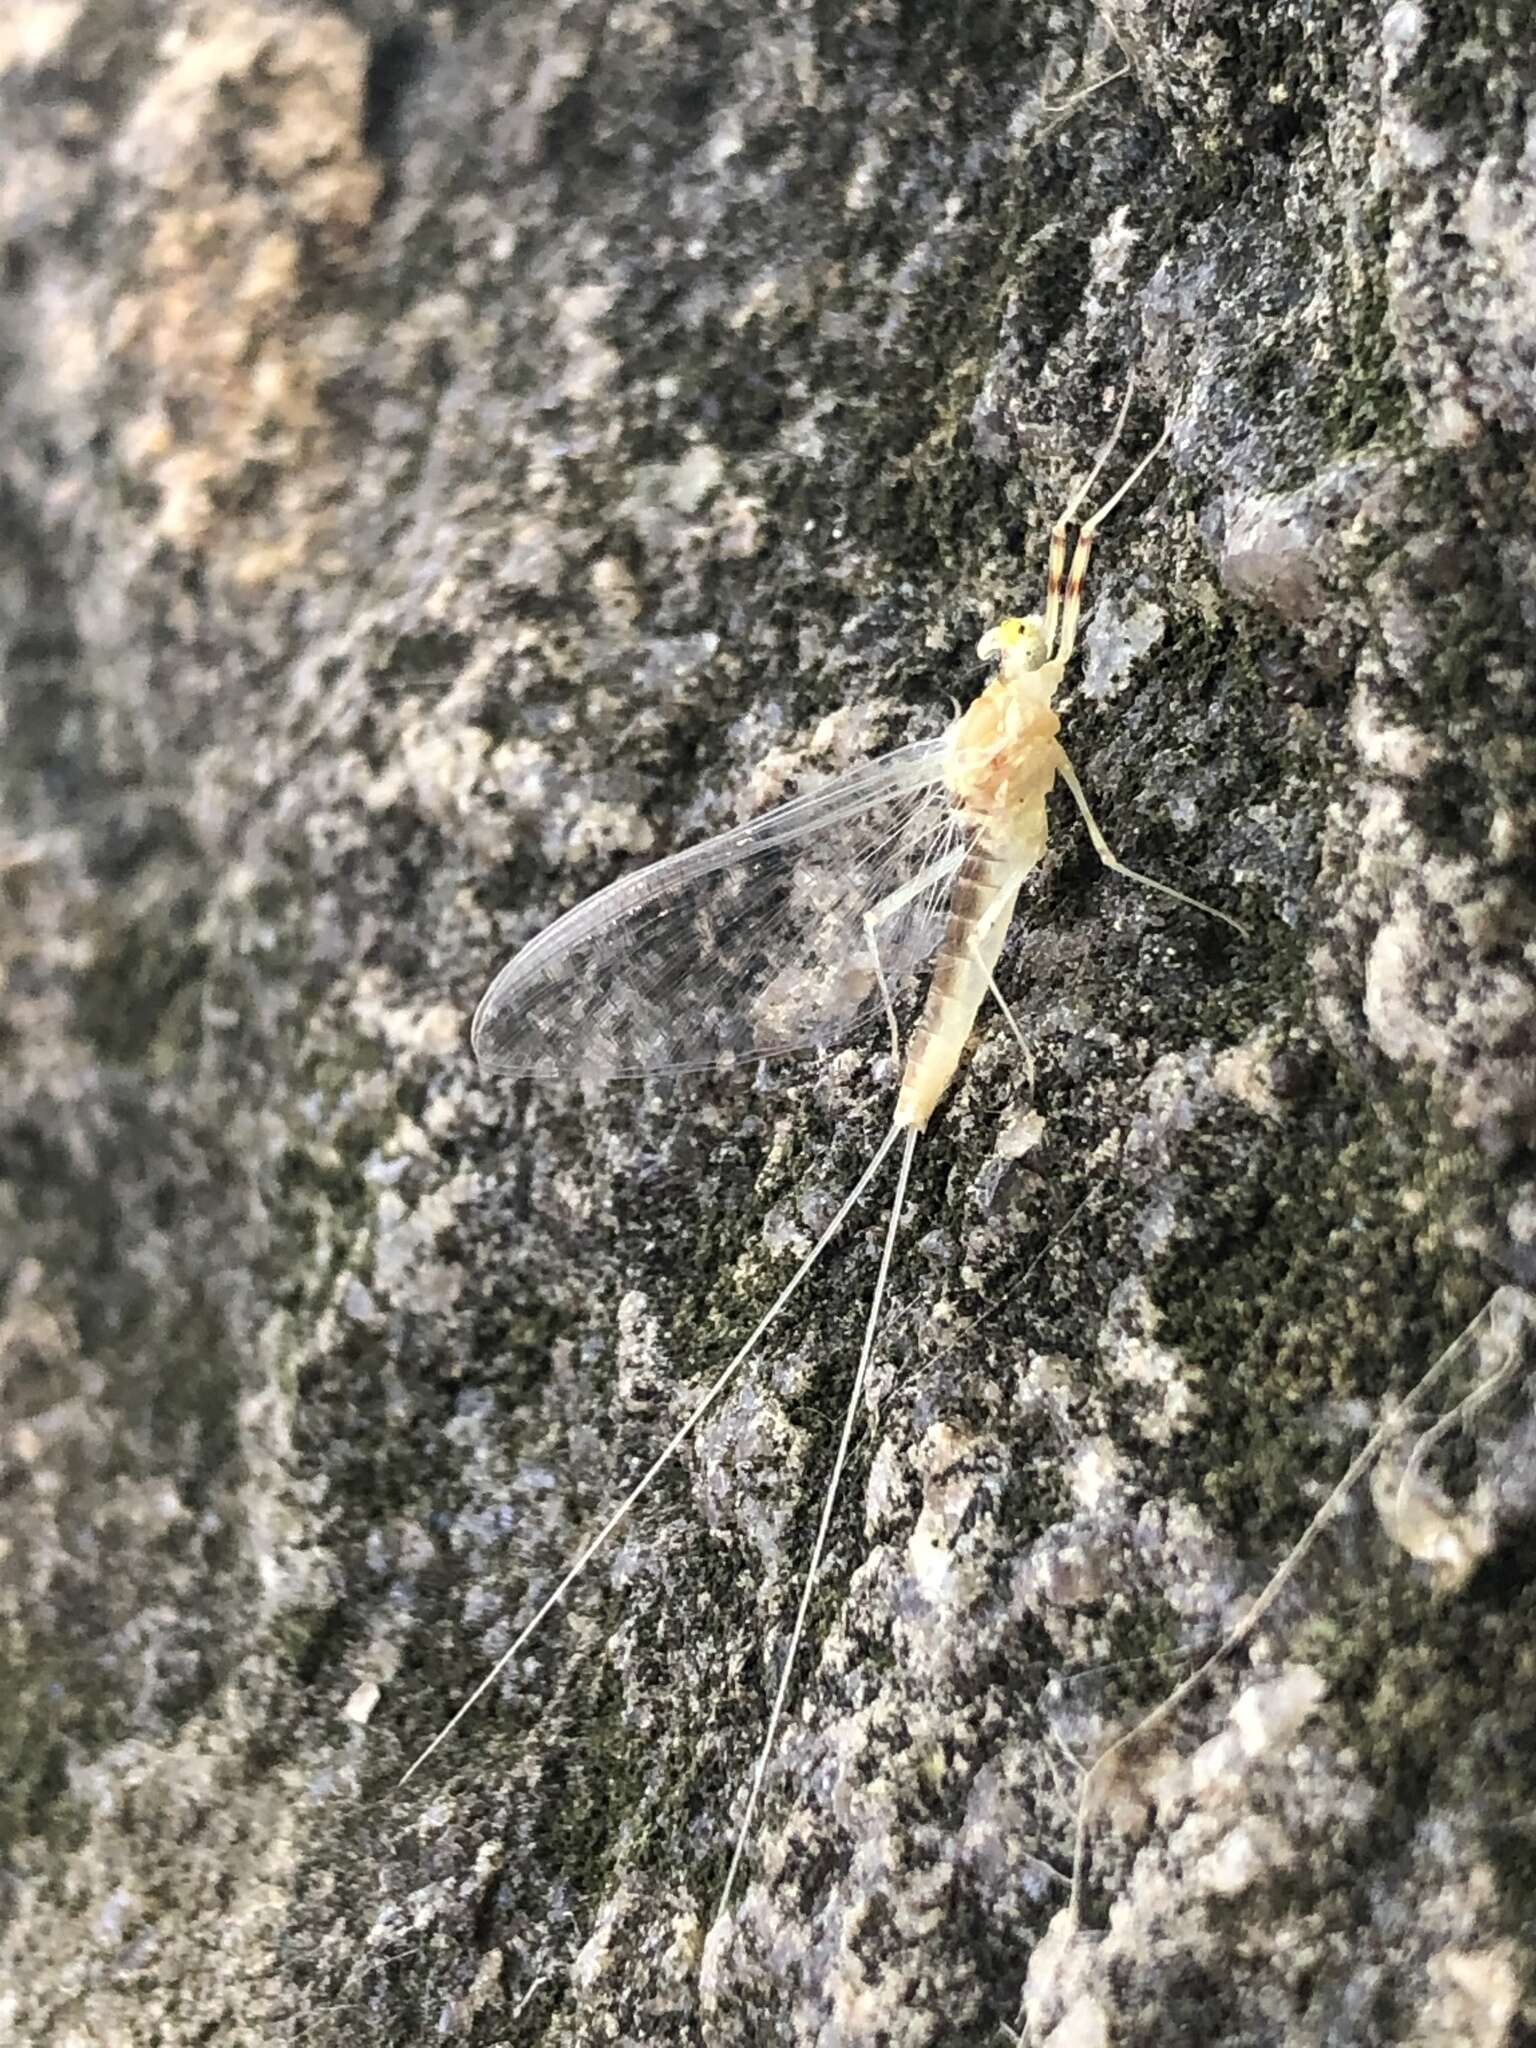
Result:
x=1113 y=861
x=1088 y=532
x=882 y=913
x=983 y=932
x=1058 y=562
x=675 y=1443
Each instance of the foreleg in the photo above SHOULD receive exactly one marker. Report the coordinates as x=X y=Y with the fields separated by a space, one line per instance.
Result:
x=1085 y=539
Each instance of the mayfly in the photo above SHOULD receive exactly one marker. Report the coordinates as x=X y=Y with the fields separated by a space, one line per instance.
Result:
x=789 y=932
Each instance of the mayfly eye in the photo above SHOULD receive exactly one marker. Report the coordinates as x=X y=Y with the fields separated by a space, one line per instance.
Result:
x=999 y=638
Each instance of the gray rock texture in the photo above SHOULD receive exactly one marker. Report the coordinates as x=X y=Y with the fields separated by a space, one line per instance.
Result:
x=450 y=455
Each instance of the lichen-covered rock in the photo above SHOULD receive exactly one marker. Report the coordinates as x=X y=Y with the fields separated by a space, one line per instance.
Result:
x=449 y=456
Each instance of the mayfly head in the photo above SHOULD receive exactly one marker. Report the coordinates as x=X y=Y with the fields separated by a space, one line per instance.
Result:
x=1022 y=649
x=1020 y=642
x=1027 y=679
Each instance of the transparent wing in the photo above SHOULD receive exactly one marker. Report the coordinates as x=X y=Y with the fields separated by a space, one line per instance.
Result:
x=751 y=944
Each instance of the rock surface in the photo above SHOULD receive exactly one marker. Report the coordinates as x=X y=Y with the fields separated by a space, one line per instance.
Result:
x=450 y=455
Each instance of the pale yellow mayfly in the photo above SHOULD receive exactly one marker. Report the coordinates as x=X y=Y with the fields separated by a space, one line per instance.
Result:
x=790 y=933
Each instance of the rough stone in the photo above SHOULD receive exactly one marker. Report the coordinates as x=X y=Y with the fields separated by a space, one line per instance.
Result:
x=452 y=455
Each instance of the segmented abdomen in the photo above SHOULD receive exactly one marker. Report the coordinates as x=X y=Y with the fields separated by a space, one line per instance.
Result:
x=980 y=907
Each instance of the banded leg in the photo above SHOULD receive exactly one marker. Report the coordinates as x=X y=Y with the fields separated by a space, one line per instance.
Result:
x=1059 y=530
x=1084 y=549
x=1112 y=860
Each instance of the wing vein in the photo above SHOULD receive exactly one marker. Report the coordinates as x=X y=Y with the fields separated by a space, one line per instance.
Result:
x=750 y=944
